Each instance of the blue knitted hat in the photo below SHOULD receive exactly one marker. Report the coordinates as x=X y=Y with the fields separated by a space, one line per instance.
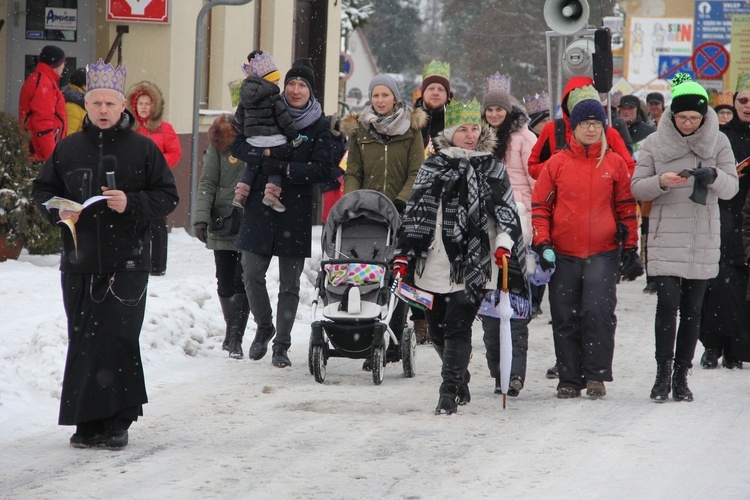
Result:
x=587 y=110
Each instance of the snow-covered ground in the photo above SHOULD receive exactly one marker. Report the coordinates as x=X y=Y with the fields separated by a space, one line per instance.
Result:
x=222 y=428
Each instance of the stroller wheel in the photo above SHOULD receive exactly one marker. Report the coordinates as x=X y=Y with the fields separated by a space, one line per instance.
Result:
x=409 y=352
x=378 y=364
x=310 y=357
x=319 y=363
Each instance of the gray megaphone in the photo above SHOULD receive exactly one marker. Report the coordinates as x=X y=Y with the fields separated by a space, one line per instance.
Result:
x=566 y=16
x=577 y=59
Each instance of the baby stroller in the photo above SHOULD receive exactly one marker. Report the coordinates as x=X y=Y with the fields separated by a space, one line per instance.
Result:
x=358 y=241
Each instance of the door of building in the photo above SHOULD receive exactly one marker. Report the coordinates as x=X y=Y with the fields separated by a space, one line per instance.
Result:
x=68 y=24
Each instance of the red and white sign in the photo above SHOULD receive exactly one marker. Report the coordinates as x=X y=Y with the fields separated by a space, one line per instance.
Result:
x=139 y=11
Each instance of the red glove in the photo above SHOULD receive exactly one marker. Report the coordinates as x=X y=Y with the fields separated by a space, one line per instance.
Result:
x=400 y=266
x=499 y=254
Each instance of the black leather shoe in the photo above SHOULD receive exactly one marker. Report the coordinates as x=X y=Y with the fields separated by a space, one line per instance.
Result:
x=280 y=358
x=114 y=440
x=79 y=440
x=447 y=404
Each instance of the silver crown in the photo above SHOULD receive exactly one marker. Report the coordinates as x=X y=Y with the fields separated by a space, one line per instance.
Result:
x=105 y=76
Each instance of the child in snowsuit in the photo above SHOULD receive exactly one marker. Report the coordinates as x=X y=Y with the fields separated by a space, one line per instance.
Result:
x=262 y=118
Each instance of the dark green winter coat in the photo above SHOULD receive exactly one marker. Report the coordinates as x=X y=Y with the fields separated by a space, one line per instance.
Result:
x=387 y=168
x=221 y=173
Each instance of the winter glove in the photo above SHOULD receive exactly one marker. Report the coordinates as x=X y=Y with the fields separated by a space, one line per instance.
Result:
x=400 y=206
x=705 y=175
x=299 y=140
x=621 y=234
x=272 y=166
x=201 y=231
x=631 y=265
x=546 y=257
x=499 y=254
x=400 y=266
x=283 y=152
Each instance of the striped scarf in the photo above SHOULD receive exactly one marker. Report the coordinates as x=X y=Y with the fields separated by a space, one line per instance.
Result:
x=469 y=190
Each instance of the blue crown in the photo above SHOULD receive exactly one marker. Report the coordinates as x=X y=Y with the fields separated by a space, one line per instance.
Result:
x=105 y=76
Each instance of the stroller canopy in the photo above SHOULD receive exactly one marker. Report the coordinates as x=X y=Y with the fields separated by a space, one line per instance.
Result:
x=361 y=205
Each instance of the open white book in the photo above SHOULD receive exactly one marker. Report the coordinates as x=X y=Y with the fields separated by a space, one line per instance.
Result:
x=70 y=205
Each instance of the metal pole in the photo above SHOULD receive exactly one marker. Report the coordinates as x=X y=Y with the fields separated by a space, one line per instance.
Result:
x=197 y=101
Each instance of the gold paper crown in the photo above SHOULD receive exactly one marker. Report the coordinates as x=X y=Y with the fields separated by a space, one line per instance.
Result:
x=498 y=83
x=105 y=76
x=234 y=92
x=743 y=82
x=723 y=99
x=436 y=68
x=458 y=113
x=583 y=94
x=540 y=102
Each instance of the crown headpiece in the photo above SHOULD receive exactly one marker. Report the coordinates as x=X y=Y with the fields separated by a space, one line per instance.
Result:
x=498 y=83
x=743 y=82
x=234 y=92
x=583 y=94
x=262 y=64
x=458 y=113
x=615 y=98
x=537 y=103
x=724 y=99
x=105 y=76
x=436 y=68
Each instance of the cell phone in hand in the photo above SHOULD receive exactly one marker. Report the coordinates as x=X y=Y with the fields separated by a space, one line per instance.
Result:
x=686 y=173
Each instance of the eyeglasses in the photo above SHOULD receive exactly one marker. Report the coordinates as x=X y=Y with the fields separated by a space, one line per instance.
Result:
x=743 y=100
x=591 y=123
x=684 y=119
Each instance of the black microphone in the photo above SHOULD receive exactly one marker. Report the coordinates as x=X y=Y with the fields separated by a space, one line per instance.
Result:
x=109 y=164
x=602 y=61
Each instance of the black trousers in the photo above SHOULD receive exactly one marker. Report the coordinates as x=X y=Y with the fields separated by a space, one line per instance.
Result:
x=159 y=234
x=686 y=296
x=451 y=318
x=519 y=334
x=582 y=297
x=228 y=272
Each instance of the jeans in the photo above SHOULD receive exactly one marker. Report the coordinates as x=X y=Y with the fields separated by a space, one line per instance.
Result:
x=254 y=268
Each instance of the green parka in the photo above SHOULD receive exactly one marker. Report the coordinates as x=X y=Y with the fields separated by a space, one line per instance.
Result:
x=221 y=173
x=387 y=168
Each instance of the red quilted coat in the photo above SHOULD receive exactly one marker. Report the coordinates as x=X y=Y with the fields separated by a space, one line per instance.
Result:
x=577 y=204
x=41 y=111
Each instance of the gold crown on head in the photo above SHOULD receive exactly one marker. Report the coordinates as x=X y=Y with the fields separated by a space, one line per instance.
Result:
x=458 y=113
x=105 y=76
x=537 y=103
x=498 y=83
x=743 y=82
x=436 y=68
x=583 y=94
x=723 y=99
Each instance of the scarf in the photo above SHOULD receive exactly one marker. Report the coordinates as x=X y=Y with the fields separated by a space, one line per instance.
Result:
x=306 y=116
x=470 y=189
x=383 y=127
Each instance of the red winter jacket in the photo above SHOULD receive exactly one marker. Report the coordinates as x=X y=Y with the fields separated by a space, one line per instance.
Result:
x=576 y=205
x=166 y=140
x=546 y=144
x=41 y=111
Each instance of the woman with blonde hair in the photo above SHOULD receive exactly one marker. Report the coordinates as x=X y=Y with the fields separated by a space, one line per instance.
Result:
x=583 y=217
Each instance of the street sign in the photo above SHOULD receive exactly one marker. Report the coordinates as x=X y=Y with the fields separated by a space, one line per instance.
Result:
x=710 y=61
x=671 y=65
x=713 y=20
x=138 y=11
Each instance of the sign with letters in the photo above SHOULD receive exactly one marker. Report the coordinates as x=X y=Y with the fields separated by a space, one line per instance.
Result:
x=56 y=18
x=139 y=11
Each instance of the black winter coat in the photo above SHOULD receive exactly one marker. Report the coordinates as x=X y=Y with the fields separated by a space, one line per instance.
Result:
x=262 y=111
x=730 y=211
x=285 y=234
x=435 y=122
x=108 y=241
x=639 y=130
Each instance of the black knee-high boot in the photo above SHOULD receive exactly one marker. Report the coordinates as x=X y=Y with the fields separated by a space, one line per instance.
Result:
x=455 y=361
x=227 y=309
x=241 y=312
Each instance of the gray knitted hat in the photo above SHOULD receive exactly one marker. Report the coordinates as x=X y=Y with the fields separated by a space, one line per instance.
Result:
x=388 y=81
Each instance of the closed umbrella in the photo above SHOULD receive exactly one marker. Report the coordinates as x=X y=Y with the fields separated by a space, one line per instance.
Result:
x=505 y=311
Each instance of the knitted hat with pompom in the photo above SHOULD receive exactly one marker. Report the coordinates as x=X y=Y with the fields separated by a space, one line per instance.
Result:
x=688 y=95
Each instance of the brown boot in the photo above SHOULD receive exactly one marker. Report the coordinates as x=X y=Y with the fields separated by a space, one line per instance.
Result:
x=421 y=331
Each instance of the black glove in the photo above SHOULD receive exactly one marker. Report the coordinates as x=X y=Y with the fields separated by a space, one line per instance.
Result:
x=283 y=152
x=201 y=231
x=622 y=233
x=546 y=256
x=272 y=166
x=631 y=265
x=705 y=175
x=400 y=206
